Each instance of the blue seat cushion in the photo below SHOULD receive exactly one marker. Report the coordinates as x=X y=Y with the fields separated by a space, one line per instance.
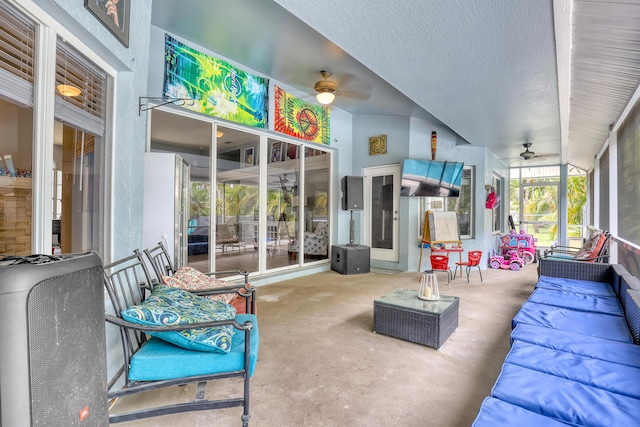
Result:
x=609 y=376
x=560 y=257
x=594 y=347
x=576 y=285
x=564 y=400
x=592 y=324
x=495 y=412
x=577 y=301
x=161 y=360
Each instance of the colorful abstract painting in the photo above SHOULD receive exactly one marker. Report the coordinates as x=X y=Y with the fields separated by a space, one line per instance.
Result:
x=216 y=87
x=300 y=119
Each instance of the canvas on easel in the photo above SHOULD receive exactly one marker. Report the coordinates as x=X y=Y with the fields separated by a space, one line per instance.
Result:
x=441 y=232
x=441 y=227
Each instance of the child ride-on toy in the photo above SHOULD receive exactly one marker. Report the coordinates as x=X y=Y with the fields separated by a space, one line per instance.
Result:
x=511 y=261
x=522 y=242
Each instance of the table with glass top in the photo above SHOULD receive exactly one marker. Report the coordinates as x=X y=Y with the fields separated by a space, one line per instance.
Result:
x=401 y=314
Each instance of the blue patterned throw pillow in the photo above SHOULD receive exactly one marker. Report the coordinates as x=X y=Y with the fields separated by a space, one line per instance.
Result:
x=172 y=306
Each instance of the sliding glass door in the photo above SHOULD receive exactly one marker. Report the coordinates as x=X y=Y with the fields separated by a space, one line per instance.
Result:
x=266 y=205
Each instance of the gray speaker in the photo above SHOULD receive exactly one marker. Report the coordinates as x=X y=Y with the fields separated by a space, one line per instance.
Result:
x=52 y=329
x=352 y=193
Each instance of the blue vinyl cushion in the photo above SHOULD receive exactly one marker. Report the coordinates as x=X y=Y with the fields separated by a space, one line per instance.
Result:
x=564 y=400
x=497 y=413
x=594 y=347
x=160 y=360
x=609 y=376
x=577 y=301
x=593 y=324
x=576 y=285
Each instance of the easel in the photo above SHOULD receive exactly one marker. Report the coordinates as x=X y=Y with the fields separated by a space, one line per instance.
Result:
x=441 y=233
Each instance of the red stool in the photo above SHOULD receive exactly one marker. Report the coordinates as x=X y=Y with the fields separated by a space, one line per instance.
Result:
x=441 y=263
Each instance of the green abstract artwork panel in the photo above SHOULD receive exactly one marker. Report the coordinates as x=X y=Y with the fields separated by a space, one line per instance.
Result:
x=215 y=87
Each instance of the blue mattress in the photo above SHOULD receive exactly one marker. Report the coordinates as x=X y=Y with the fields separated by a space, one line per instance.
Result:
x=575 y=285
x=577 y=301
x=621 y=379
x=596 y=348
x=564 y=400
x=592 y=324
x=495 y=412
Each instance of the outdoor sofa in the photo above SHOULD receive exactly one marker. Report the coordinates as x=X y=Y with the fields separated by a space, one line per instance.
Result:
x=574 y=357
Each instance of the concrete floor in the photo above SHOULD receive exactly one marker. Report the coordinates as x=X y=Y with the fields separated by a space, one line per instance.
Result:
x=320 y=364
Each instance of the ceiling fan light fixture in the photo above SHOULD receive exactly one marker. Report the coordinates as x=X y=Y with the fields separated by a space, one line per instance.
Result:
x=68 y=90
x=527 y=155
x=325 y=98
x=326 y=89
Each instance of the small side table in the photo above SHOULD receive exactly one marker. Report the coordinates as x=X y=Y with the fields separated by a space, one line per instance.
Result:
x=401 y=314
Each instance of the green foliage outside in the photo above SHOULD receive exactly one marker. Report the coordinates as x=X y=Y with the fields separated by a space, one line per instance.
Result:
x=200 y=200
x=541 y=204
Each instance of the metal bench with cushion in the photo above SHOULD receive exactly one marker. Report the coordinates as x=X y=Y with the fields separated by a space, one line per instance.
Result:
x=173 y=337
x=594 y=249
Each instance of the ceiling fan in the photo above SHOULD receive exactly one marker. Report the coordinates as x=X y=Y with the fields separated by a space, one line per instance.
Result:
x=349 y=88
x=529 y=155
x=325 y=88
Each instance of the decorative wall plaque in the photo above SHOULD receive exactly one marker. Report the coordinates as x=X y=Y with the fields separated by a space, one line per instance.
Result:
x=378 y=145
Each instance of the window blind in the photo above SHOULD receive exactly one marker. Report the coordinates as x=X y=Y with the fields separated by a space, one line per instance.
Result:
x=629 y=177
x=86 y=110
x=17 y=40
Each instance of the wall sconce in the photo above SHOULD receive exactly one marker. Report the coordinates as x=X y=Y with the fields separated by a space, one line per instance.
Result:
x=219 y=134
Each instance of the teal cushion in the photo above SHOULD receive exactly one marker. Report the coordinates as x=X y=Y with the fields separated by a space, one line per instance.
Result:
x=160 y=360
x=172 y=306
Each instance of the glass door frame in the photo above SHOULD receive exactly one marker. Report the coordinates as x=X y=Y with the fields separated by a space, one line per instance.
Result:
x=392 y=254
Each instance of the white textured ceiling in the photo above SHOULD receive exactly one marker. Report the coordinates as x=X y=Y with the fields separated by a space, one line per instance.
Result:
x=497 y=72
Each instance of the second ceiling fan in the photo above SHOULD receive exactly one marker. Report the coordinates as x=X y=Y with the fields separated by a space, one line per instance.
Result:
x=530 y=155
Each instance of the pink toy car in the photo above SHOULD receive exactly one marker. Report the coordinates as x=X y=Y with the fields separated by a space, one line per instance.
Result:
x=524 y=243
x=511 y=261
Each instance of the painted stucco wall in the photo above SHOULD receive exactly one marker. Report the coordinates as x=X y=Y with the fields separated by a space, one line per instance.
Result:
x=411 y=138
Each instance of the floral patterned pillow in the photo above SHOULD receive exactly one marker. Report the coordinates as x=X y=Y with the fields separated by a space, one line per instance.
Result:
x=171 y=306
x=592 y=246
x=190 y=279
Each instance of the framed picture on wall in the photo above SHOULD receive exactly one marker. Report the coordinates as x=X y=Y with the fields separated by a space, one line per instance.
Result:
x=114 y=14
x=248 y=157
x=276 y=151
x=292 y=152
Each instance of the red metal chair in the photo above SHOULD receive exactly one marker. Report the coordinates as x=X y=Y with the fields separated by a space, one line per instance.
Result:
x=441 y=263
x=473 y=261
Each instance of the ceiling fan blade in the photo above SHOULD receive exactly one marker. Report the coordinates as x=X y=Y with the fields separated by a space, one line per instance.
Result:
x=546 y=156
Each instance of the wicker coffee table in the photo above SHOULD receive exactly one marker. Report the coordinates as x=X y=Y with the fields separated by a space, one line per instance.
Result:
x=401 y=314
